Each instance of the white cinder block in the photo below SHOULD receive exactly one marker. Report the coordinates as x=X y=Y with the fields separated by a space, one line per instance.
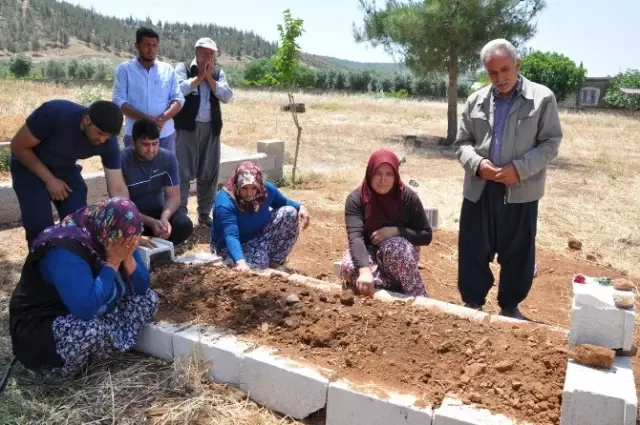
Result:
x=156 y=339
x=454 y=412
x=224 y=352
x=596 y=397
x=163 y=248
x=314 y=283
x=454 y=309
x=347 y=405
x=390 y=296
x=336 y=269
x=432 y=217
x=199 y=258
x=593 y=294
x=283 y=385
x=604 y=326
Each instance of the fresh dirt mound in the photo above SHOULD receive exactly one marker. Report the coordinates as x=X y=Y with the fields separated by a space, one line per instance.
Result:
x=515 y=369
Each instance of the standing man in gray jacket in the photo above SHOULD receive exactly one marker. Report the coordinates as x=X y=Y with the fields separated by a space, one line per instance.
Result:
x=508 y=134
x=199 y=124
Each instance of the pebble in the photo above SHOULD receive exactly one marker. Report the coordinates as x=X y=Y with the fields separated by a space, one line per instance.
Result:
x=504 y=366
x=293 y=299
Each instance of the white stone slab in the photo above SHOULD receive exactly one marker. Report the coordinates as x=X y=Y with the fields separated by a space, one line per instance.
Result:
x=390 y=296
x=348 y=404
x=199 y=258
x=596 y=397
x=315 y=283
x=607 y=327
x=156 y=339
x=163 y=247
x=593 y=294
x=222 y=350
x=336 y=269
x=283 y=385
x=454 y=309
x=454 y=412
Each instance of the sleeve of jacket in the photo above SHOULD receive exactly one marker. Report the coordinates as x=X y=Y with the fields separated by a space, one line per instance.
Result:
x=548 y=141
x=465 y=141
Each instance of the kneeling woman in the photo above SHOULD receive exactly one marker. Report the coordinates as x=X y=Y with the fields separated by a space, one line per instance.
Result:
x=253 y=222
x=386 y=225
x=84 y=291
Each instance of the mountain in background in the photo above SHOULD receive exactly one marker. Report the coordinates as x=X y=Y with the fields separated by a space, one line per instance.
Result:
x=50 y=29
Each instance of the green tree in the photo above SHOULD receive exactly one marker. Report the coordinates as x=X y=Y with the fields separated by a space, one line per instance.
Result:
x=555 y=71
x=55 y=70
x=72 y=69
x=306 y=77
x=257 y=69
x=629 y=79
x=287 y=63
x=359 y=81
x=340 y=83
x=20 y=65
x=102 y=71
x=445 y=35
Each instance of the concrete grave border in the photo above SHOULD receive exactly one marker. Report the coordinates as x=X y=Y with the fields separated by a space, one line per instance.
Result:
x=269 y=155
x=296 y=389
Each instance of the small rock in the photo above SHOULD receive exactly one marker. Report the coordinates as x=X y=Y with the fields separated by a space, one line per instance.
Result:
x=264 y=327
x=323 y=298
x=373 y=348
x=575 y=244
x=484 y=341
x=469 y=352
x=475 y=398
x=475 y=369
x=290 y=323
x=347 y=298
x=592 y=355
x=516 y=385
x=624 y=299
x=623 y=285
x=591 y=257
x=504 y=366
x=445 y=347
x=304 y=293
x=349 y=362
x=292 y=299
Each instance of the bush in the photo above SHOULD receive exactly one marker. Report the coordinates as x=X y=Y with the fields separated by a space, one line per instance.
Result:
x=5 y=159
x=102 y=71
x=72 y=69
x=555 y=71
x=20 y=65
x=306 y=77
x=55 y=70
x=89 y=94
x=625 y=80
x=398 y=94
x=257 y=69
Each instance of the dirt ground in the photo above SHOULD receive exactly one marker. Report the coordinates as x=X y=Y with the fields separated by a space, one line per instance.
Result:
x=517 y=370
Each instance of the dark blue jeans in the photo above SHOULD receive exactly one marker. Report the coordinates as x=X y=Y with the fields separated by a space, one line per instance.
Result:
x=35 y=201
x=489 y=227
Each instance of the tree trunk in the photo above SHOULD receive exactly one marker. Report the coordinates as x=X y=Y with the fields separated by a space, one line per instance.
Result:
x=452 y=94
x=294 y=114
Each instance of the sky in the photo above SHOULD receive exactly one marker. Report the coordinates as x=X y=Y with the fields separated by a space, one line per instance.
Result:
x=602 y=35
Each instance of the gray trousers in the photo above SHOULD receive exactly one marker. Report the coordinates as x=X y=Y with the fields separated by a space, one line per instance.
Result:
x=198 y=154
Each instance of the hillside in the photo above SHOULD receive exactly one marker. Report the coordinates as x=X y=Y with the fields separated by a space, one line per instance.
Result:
x=49 y=29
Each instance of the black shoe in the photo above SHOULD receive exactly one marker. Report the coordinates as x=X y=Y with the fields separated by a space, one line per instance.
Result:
x=513 y=313
x=205 y=219
x=473 y=306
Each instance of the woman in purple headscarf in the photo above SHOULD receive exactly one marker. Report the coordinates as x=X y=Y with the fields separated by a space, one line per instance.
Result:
x=84 y=291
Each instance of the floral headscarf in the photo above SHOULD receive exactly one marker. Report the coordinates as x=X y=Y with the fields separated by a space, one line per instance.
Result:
x=247 y=173
x=93 y=226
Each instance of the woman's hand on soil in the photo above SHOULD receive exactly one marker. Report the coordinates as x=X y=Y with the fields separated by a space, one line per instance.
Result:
x=365 y=283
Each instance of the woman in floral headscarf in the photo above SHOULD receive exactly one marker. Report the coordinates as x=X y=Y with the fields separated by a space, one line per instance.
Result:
x=253 y=222
x=83 y=293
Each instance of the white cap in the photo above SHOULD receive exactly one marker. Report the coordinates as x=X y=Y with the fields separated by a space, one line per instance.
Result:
x=207 y=43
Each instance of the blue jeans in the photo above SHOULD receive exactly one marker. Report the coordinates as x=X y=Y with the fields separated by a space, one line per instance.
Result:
x=35 y=201
x=168 y=143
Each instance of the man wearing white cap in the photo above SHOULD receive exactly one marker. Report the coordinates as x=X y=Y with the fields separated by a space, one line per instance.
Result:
x=199 y=124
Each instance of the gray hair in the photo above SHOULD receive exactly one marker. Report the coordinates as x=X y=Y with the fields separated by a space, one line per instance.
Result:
x=498 y=45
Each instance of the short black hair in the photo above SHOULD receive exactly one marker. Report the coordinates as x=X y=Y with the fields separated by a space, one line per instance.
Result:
x=107 y=116
x=144 y=128
x=146 y=32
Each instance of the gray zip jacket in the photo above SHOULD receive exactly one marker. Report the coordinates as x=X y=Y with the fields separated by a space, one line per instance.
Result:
x=532 y=135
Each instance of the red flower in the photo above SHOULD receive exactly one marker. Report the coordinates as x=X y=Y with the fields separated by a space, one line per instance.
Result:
x=579 y=279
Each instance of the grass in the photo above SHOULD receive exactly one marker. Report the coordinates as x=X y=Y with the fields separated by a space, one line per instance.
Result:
x=592 y=194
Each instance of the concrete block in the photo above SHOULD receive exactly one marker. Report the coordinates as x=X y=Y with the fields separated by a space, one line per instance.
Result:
x=454 y=412
x=348 y=404
x=274 y=149
x=432 y=217
x=336 y=269
x=454 y=309
x=220 y=349
x=390 y=296
x=607 y=327
x=597 y=397
x=199 y=258
x=592 y=294
x=283 y=385
x=315 y=283
x=156 y=339
x=163 y=252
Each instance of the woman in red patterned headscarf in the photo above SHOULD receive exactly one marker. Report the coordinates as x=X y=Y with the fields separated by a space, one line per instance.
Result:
x=386 y=225
x=253 y=222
